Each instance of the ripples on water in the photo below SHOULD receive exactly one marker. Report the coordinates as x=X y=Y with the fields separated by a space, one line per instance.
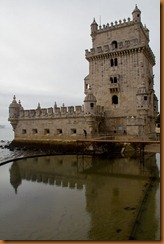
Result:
x=77 y=198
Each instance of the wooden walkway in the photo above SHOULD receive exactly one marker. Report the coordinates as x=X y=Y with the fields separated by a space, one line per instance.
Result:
x=108 y=144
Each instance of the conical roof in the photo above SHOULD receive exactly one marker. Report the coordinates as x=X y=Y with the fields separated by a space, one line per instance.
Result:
x=136 y=9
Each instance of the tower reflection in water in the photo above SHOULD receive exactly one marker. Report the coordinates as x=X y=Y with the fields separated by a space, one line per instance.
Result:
x=114 y=190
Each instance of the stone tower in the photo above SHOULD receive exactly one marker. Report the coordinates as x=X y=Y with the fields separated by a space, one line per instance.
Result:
x=121 y=75
x=14 y=110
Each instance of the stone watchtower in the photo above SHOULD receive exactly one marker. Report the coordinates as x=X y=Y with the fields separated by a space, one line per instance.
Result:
x=121 y=75
x=14 y=110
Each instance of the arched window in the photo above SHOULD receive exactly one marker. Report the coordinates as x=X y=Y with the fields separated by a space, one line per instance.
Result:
x=114 y=99
x=113 y=62
x=114 y=44
x=115 y=79
x=111 y=79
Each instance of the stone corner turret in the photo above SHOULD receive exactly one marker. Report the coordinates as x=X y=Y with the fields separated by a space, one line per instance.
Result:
x=90 y=103
x=14 y=109
x=136 y=15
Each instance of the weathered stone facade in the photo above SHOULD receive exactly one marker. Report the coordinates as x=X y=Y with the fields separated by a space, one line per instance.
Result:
x=119 y=89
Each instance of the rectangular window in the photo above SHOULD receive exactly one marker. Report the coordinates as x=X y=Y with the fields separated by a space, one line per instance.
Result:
x=113 y=62
x=73 y=131
x=59 y=131
x=92 y=105
x=111 y=79
x=46 y=131
x=34 y=131
x=145 y=98
x=24 y=131
x=115 y=79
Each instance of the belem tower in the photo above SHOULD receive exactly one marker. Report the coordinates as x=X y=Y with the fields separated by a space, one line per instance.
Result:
x=119 y=90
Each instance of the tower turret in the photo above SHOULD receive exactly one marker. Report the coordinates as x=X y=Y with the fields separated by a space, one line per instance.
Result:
x=94 y=27
x=90 y=103
x=136 y=14
x=14 y=112
x=142 y=99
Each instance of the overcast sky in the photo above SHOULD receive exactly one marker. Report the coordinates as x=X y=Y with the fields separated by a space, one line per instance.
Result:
x=43 y=42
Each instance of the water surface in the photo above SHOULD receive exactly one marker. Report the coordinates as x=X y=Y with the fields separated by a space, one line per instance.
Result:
x=77 y=198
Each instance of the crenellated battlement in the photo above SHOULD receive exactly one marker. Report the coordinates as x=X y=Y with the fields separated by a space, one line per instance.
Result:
x=121 y=46
x=56 y=112
x=126 y=47
x=114 y=25
x=52 y=112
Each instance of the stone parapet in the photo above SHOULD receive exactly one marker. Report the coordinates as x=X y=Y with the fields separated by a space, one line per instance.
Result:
x=51 y=112
x=114 y=25
x=124 y=48
x=57 y=112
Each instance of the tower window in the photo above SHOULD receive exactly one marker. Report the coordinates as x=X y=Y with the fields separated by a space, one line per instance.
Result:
x=92 y=105
x=145 y=98
x=115 y=99
x=115 y=79
x=113 y=62
x=114 y=44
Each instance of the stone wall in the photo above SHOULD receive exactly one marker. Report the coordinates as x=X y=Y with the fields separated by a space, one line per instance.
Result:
x=49 y=128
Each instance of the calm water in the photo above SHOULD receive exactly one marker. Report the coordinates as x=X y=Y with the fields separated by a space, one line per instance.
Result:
x=78 y=198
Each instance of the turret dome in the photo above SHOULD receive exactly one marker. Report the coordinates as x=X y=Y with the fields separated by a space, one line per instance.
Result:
x=14 y=103
x=90 y=97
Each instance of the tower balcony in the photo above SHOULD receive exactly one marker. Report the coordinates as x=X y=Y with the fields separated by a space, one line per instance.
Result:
x=114 y=87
